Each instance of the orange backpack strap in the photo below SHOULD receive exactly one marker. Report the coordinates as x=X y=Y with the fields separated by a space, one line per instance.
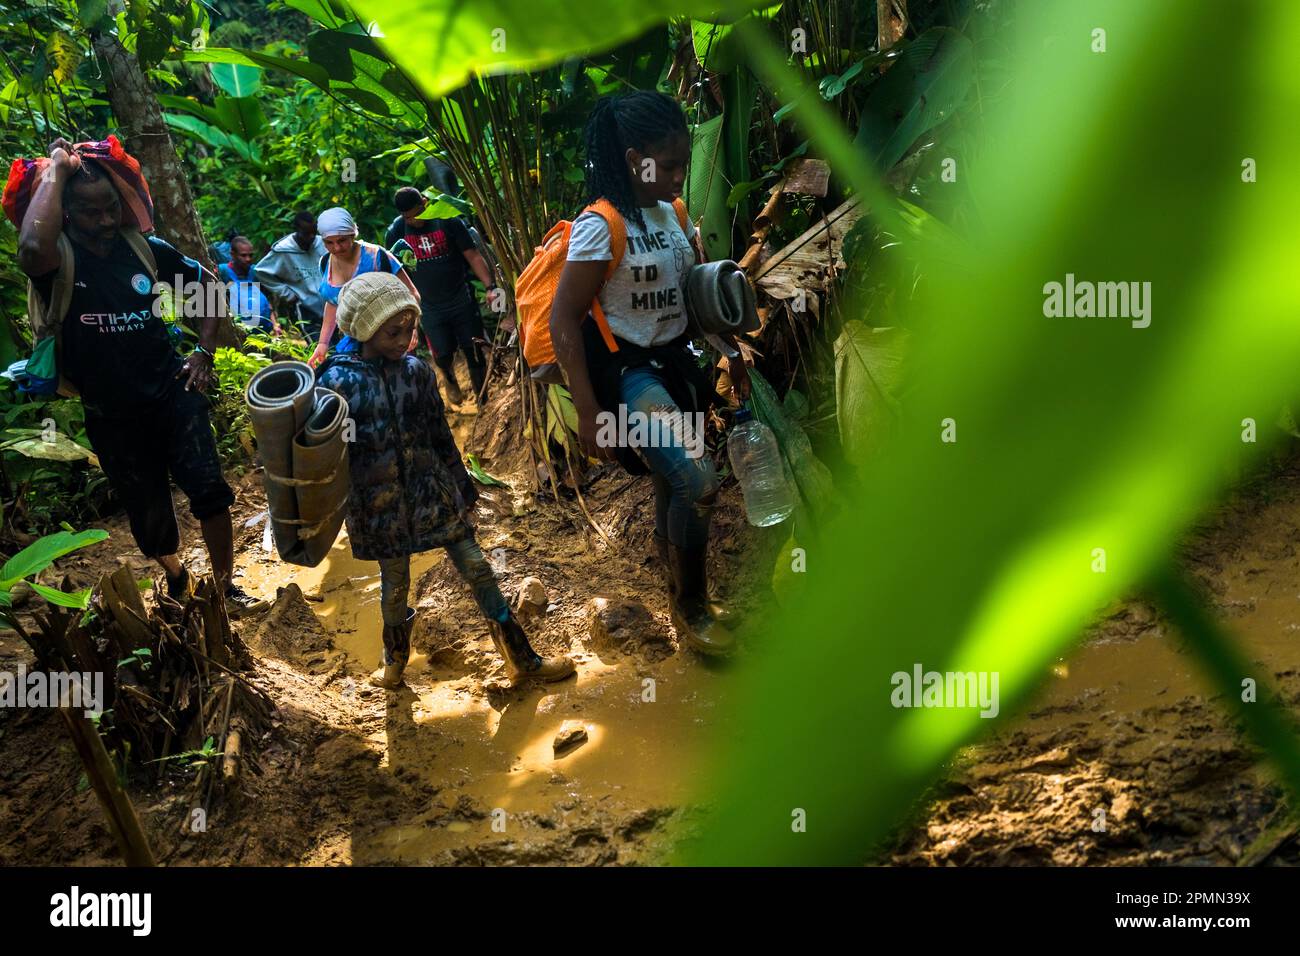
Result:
x=617 y=232
x=617 y=247
x=683 y=217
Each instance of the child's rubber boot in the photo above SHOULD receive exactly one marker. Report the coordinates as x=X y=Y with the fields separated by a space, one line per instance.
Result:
x=522 y=662
x=717 y=610
x=398 y=637
x=688 y=604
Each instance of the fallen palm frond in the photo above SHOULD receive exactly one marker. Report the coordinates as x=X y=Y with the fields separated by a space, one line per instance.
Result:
x=165 y=684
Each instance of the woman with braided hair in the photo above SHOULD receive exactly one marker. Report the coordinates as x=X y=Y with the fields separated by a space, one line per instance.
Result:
x=637 y=148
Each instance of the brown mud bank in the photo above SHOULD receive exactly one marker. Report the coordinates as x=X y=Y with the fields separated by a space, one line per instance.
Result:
x=1127 y=756
x=456 y=767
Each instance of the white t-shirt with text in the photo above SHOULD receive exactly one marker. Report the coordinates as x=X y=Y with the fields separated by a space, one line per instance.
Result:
x=645 y=299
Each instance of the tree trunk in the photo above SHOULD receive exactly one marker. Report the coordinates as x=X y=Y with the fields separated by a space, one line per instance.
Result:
x=891 y=22
x=146 y=137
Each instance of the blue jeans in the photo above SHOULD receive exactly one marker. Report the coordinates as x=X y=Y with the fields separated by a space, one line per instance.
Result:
x=395 y=586
x=684 y=486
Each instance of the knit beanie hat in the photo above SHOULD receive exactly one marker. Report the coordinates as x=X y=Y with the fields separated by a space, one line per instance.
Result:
x=369 y=300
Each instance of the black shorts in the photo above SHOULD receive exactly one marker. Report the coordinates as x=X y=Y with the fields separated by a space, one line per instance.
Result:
x=139 y=452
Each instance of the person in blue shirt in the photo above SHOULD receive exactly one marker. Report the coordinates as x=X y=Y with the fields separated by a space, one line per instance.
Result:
x=348 y=257
x=220 y=251
x=248 y=306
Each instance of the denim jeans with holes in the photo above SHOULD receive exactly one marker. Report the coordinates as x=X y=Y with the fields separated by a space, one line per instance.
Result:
x=684 y=485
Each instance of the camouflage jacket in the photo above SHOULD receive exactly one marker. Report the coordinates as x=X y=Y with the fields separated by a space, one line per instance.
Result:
x=410 y=490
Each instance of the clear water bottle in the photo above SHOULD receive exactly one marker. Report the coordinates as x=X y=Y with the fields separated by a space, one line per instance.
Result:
x=756 y=460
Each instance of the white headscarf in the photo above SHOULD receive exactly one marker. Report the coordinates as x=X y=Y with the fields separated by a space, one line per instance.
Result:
x=336 y=222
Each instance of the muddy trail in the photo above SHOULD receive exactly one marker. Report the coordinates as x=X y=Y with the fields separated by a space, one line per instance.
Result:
x=458 y=768
x=1127 y=756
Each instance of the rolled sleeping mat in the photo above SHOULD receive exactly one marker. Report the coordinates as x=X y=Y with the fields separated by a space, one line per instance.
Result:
x=320 y=470
x=282 y=399
x=720 y=300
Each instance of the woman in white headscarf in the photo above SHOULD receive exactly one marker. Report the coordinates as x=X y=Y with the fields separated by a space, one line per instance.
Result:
x=348 y=256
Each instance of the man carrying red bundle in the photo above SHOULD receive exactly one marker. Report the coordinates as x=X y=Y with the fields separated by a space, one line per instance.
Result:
x=81 y=214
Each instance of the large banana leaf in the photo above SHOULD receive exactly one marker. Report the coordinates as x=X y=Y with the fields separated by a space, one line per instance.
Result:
x=440 y=42
x=706 y=189
x=717 y=45
x=213 y=135
x=739 y=88
x=361 y=70
x=922 y=89
x=241 y=116
x=190 y=105
x=720 y=160
x=236 y=79
x=868 y=376
x=254 y=58
x=331 y=13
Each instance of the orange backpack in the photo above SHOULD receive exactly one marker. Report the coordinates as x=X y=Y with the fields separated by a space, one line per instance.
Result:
x=535 y=290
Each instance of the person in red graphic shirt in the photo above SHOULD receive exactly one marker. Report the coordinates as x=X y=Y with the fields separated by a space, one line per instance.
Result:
x=444 y=257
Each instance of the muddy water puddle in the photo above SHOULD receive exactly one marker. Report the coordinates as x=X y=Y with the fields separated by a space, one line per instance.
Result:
x=501 y=779
x=489 y=759
x=343 y=592
x=1129 y=726
x=1149 y=666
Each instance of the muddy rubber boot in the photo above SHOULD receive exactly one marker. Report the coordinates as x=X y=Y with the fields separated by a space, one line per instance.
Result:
x=522 y=662
x=688 y=603
x=717 y=610
x=399 y=636
x=451 y=387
